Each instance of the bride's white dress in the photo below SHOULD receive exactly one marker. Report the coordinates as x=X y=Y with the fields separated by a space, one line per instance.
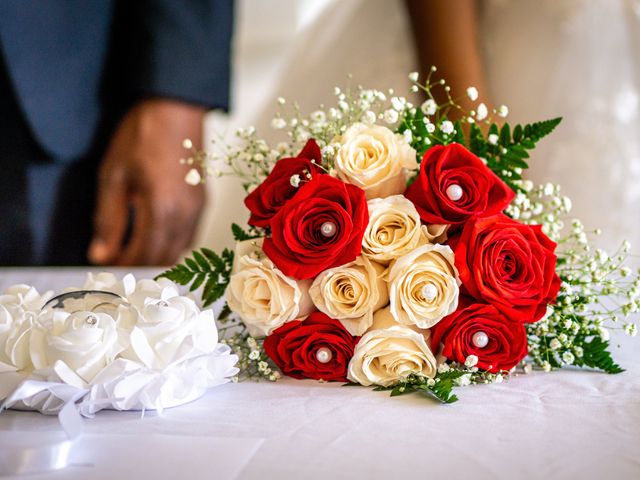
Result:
x=579 y=59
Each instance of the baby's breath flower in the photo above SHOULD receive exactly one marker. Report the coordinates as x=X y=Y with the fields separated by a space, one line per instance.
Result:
x=471 y=361
x=193 y=177
x=429 y=107
x=278 y=123
x=568 y=358
x=482 y=112
x=444 y=368
x=390 y=116
x=472 y=93
x=295 y=180
x=319 y=116
x=254 y=355
x=369 y=117
x=398 y=103
x=447 y=127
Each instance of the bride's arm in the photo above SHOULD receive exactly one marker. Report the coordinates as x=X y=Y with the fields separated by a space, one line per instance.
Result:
x=446 y=35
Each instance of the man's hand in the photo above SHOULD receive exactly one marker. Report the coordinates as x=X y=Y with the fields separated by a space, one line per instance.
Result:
x=141 y=172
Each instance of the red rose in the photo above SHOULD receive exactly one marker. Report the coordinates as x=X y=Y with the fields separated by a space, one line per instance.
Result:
x=265 y=201
x=320 y=227
x=454 y=185
x=507 y=264
x=481 y=330
x=318 y=347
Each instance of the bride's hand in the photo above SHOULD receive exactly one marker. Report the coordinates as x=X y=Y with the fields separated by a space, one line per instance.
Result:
x=141 y=183
x=446 y=35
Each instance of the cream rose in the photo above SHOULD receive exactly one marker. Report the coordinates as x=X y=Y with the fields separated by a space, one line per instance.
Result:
x=423 y=286
x=375 y=159
x=351 y=293
x=394 y=229
x=261 y=294
x=390 y=352
x=85 y=342
x=435 y=233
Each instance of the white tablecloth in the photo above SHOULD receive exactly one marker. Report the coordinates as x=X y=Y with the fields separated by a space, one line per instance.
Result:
x=563 y=425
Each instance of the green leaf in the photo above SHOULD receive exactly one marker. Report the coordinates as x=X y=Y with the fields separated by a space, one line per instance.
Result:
x=240 y=235
x=505 y=135
x=199 y=279
x=224 y=313
x=538 y=130
x=201 y=261
x=191 y=264
x=458 y=136
x=477 y=144
x=507 y=157
x=205 y=268
x=402 y=389
x=596 y=355
x=517 y=133
x=440 y=387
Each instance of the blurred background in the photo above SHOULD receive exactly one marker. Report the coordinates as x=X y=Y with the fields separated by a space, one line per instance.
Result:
x=97 y=95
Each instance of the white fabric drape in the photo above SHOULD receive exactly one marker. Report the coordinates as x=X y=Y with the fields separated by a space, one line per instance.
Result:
x=562 y=425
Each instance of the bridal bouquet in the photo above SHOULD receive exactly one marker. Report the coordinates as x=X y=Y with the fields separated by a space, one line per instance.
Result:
x=123 y=345
x=390 y=246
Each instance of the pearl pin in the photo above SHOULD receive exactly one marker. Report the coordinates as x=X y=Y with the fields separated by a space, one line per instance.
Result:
x=429 y=292
x=328 y=229
x=324 y=355
x=454 y=192
x=480 y=339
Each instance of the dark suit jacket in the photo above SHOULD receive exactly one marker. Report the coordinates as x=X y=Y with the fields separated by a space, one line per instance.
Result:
x=76 y=64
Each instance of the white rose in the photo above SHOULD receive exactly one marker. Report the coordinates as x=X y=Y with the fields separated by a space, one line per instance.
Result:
x=135 y=292
x=423 y=286
x=85 y=342
x=351 y=293
x=394 y=229
x=168 y=331
x=24 y=297
x=19 y=305
x=375 y=159
x=14 y=340
x=261 y=294
x=390 y=352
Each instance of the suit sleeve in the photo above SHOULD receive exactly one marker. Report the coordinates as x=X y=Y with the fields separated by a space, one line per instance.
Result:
x=178 y=49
